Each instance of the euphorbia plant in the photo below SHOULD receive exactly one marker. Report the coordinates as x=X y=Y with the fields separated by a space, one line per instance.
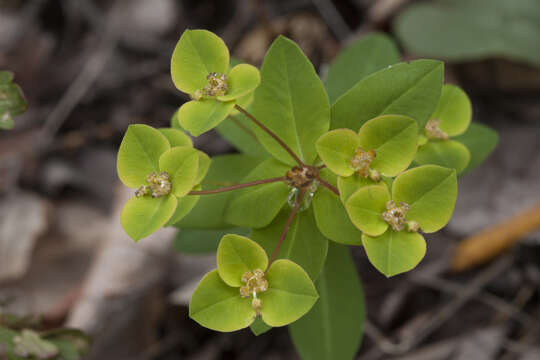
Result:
x=310 y=178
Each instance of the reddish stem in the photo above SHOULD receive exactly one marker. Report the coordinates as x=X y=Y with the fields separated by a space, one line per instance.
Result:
x=287 y=226
x=328 y=185
x=237 y=186
x=271 y=133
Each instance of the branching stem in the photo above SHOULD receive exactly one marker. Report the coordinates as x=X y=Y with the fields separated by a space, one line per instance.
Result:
x=237 y=186
x=328 y=185
x=287 y=226
x=271 y=133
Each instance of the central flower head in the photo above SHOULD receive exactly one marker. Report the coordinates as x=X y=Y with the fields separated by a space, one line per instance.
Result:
x=433 y=131
x=217 y=85
x=254 y=283
x=300 y=177
x=159 y=185
x=395 y=215
x=361 y=162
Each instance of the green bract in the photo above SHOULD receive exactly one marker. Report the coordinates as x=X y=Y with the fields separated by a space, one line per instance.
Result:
x=451 y=118
x=163 y=176
x=12 y=101
x=200 y=68
x=231 y=297
x=393 y=139
x=422 y=198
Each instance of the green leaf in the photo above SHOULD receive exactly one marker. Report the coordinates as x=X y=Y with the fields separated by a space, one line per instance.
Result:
x=411 y=89
x=449 y=153
x=290 y=295
x=431 y=192
x=237 y=255
x=242 y=79
x=139 y=154
x=304 y=244
x=197 y=241
x=219 y=307
x=291 y=101
x=197 y=54
x=245 y=208
x=185 y=205
x=12 y=102
x=198 y=117
x=481 y=141
x=142 y=216
x=370 y=53
x=463 y=30
x=182 y=164
x=331 y=217
x=258 y=327
x=365 y=208
x=336 y=149
x=394 y=139
x=334 y=327
x=394 y=252
x=204 y=165
x=348 y=185
x=237 y=131
x=225 y=170
x=454 y=110
x=176 y=137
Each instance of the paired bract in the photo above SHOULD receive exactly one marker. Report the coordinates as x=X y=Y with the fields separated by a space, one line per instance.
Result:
x=200 y=68
x=242 y=288
x=163 y=167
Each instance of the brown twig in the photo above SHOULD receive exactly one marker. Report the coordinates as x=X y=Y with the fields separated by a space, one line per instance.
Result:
x=286 y=228
x=237 y=186
x=487 y=244
x=271 y=133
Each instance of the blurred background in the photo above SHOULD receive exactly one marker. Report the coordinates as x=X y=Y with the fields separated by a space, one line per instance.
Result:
x=89 y=68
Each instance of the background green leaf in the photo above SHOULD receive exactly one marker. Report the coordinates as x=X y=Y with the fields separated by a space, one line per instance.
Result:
x=304 y=244
x=142 y=216
x=219 y=307
x=370 y=53
x=197 y=54
x=431 y=192
x=225 y=170
x=411 y=89
x=184 y=206
x=394 y=139
x=246 y=206
x=139 y=153
x=291 y=101
x=237 y=255
x=462 y=30
x=258 y=327
x=481 y=140
x=394 y=252
x=237 y=131
x=331 y=217
x=202 y=241
x=451 y=154
x=290 y=294
x=334 y=327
